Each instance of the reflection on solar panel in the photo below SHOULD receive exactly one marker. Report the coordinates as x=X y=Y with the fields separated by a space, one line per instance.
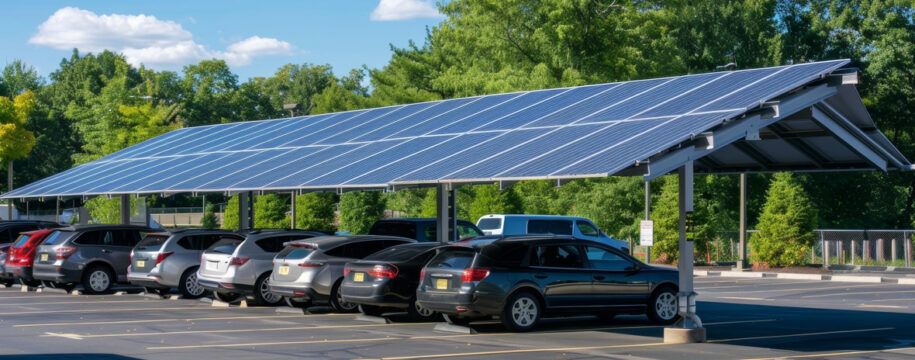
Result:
x=594 y=130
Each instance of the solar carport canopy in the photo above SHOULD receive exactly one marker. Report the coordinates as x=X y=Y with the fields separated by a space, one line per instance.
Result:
x=797 y=117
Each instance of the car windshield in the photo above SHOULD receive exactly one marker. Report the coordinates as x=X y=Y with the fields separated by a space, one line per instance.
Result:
x=225 y=245
x=21 y=241
x=152 y=242
x=400 y=253
x=489 y=223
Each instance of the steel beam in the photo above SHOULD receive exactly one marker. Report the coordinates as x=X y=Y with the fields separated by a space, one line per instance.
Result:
x=443 y=212
x=848 y=138
x=738 y=129
x=689 y=320
x=799 y=145
x=744 y=146
x=125 y=209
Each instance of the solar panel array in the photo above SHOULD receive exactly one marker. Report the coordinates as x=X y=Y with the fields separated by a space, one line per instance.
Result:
x=594 y=130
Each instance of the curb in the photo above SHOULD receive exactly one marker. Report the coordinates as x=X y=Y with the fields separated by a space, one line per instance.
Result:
x=836 y=278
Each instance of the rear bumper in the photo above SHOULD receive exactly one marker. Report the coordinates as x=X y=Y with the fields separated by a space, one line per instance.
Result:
x=145 y=280
x=374 y=295
x=447 y=303
x=56 y=274
x=19 y=272
x=297 y=292
x=223 y=287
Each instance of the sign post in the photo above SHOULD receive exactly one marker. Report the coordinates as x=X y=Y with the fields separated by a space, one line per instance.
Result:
x=646 y=236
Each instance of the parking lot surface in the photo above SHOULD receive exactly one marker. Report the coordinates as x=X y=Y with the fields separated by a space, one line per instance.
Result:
x=745 y=319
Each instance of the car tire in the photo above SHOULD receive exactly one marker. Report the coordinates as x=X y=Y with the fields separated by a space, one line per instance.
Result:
x=371 y=310
x=188 y=286
x=156 y=291
x=336 y=300
x=662 y=306
x=228 y=298
x=97 y=279
x=298 y=304
x=419 y=313
x=522 y=312
x=8 y=282
x=262 y=293
x=457 y=320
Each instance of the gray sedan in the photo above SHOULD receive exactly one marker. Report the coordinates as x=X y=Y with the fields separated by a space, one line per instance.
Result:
x=163 y=261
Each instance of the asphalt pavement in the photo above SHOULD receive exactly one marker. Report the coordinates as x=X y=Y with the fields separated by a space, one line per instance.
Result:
x=745 y=319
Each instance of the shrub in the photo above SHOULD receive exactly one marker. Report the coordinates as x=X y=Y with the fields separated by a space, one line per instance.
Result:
x=786 y=224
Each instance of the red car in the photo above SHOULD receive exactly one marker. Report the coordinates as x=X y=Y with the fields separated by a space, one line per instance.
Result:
x=22 y=255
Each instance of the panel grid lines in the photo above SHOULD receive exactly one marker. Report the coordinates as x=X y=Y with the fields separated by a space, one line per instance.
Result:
x=592 y=130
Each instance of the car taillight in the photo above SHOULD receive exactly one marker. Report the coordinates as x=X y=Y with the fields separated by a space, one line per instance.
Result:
x=346 y=270
x=64 y=252
x=308 y=264
x=474 y=274
x=162 y=256
x=131 y=256
x=422 y=274
x=238 y=261
x=383 y=271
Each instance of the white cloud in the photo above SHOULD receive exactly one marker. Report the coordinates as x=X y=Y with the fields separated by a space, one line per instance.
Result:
x=393 y=10
x=144 y=39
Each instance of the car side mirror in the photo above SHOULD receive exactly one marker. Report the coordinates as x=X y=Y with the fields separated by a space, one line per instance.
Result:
x=634 y=268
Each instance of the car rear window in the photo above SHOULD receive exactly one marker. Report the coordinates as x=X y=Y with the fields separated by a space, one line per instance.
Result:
x=391 y=228
x=225 y=245
x=452 y=259
x=489 y=223
x=57 y=237
x=399 y=253
x=21 y=241
x=152 y=241
x=556 y=227
x=295 y=252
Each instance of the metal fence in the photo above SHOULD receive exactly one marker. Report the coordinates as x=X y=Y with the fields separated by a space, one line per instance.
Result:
x=842 y=247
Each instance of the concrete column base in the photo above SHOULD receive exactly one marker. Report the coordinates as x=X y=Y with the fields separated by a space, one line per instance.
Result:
x=683 y=336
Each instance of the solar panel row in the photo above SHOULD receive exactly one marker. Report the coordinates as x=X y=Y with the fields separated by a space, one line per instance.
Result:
x=593 y=130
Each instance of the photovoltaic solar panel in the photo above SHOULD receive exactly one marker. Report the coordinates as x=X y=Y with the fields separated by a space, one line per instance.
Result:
x=591 y=130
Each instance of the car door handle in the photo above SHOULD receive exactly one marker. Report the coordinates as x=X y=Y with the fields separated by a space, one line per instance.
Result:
x=599 y=277
x=540 y=276
x=106 y=251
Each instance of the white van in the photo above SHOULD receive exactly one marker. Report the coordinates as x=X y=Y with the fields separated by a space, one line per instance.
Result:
x=579 y=227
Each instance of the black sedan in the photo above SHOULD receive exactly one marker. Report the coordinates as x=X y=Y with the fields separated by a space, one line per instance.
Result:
x=388 y=279
x=520 y=279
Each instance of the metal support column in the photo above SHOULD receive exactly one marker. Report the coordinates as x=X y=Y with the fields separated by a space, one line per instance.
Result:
x=245 y=211
x=742 y=244
x=824 y=245
x=9 y=183
x=125 y=209
x=83 y=215
x=647 y=217
x=57 y=210
x=689 y=328
x=292 y=210
x=444 y=218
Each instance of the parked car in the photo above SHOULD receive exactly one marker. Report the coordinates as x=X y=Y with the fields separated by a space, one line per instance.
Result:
x=96 y=256
x=521 y=279
x=311 y=271
x=232 y=268
x=578 y=227
x=163 y=261
x=388 y=279
x=420 y=229
x=9 y=233
x=6 y=278
x=22 y=256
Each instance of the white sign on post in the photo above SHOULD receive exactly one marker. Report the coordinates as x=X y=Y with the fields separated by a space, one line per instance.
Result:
x=646 y=233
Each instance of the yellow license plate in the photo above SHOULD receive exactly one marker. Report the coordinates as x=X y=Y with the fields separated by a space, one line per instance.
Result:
x=141 y=263
x=441 y=284
x=284 y=270
x=44 y=257
x=359 y=277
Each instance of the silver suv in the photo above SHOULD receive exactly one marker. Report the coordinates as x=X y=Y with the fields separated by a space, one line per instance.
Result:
x=312 y=270
x=163 y=261
x=95 y=256
x=232 y=268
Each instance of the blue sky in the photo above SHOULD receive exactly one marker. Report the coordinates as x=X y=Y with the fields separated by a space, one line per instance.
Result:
x=254 y=37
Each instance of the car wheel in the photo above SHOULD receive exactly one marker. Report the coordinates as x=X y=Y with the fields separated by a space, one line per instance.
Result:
x=8 y=282
x=156 y=291
x=457 y=320
x=521 y=312
x=337 y=303
x=32 y=283
x=663 y=306
x=299 y=304
x=188 y=286
x=227 y=297
x=97 y=279
x=371 y=310
x=262 y=293
x=419 y=313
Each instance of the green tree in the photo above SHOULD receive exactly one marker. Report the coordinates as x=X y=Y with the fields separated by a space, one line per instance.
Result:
x=359 y=210
x=666 y=215
x=407 y=202
x=230 y=214
x=786 y=224
x=488 y=199
x=270 y=211
x=316 y=211
x=297 y=84
x=15 y=140
x=103 y=210
x=208 y=93
x=209 y=220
